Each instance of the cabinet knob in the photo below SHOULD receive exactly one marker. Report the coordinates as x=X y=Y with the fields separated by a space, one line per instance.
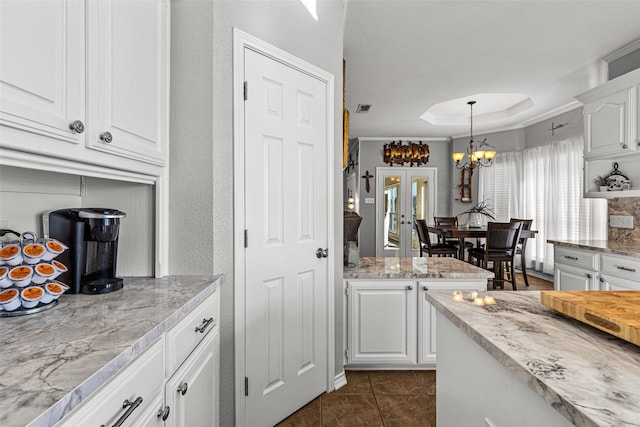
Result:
x=589 y=276
x=163 y=413
x=425 y=288
x=410 y=288
x=77 y=126
x=625 y=146
x=106 y=137
x=182 y=388
x=601 y=280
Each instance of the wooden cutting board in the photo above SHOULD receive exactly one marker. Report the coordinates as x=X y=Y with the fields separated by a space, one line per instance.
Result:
x=615 y=312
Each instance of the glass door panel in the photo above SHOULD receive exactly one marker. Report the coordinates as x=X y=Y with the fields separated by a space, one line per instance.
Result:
x=402 y=196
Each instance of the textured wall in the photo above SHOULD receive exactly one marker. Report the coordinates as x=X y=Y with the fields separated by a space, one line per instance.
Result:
x=625 y=206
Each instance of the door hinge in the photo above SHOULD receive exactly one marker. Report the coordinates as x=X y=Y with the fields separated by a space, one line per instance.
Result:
x=346 y=290
x=246 y=91
x=346 y=353
x=246 y=238
x=246 y=386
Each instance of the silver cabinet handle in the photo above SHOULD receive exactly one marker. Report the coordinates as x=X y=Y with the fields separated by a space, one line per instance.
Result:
x=76 y=126
x=131 y=406
x=322 y=253
x=410 y=288
x=163 y=413
x=106 y=137
x=631 y=270
x=425 y=288
x=182 y=388
x=574 y=258
x=204 y=325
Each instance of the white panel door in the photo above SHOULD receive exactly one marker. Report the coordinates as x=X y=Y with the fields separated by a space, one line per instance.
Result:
x=128 y=47
x=382 y=322
x=286 y=220
x=42 y=83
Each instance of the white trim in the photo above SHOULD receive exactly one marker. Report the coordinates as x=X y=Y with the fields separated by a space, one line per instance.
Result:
x=616 y=54
x=26 y=160
x=403 y=138
x=242 y=40
x=340 y=380
x=553 y=113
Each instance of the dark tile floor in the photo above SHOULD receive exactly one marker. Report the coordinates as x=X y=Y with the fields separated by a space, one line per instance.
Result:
x=384 y=398
x=374 y=398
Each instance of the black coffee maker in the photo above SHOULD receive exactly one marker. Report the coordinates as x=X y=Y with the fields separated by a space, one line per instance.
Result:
x=92 y=237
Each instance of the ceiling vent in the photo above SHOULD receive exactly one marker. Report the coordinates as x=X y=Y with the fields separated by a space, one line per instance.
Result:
x=363 y=108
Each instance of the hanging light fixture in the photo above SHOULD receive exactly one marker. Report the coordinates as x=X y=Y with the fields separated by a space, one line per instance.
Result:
x=479 y=153
x=399 y=153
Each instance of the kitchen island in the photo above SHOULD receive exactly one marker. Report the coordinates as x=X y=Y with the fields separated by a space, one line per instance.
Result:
x=55 y=359
x=614 y=247
x=389 y=322
x=520 y=363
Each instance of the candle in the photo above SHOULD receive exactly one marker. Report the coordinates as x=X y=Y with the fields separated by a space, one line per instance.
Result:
x=489 y=300
x=457 y=296
x=478 y=301
x=473 y=295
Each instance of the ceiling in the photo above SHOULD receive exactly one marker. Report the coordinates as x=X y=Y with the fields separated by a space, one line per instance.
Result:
x=403 y=57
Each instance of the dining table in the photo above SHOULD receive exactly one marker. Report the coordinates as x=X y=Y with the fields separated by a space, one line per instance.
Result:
x=463 y=232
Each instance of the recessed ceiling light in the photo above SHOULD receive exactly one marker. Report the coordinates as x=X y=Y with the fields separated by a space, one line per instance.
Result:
x=363 y=108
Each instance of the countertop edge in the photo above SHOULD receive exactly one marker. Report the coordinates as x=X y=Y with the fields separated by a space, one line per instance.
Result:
x=74 y=398
x=568 y=410
x=596 y=246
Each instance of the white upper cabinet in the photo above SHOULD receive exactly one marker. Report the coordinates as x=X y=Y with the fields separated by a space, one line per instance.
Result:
x=127 y=78
x=86 y=80
x=42 y=74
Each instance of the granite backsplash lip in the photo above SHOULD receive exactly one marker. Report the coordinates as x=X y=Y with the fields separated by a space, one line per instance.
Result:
x=631 y=249
x=414 y=268
x=587 y=375
x=59 y=357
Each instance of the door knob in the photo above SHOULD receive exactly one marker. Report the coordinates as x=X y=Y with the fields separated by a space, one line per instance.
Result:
x=106 y=137
x=322 y=253
x=77 y=126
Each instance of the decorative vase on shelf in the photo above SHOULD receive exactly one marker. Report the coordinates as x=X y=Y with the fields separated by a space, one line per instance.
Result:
x=604 y=188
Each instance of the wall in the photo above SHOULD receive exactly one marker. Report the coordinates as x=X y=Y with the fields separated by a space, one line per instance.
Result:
x=202 y=137
x=371 y=157
x=25 y=194
x=625 y=206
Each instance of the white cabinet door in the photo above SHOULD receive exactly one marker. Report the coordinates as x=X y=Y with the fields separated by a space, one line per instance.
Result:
x=611 y=283
x=42 y=75
x=567 y=278
x=128 y=78
x=607 y=124
x=382 y=322
x=192 y=392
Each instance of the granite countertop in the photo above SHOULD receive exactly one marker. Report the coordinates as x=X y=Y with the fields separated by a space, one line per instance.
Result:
x=415 y=268
x=590 y=377
x=631 y=249
x=54 y=359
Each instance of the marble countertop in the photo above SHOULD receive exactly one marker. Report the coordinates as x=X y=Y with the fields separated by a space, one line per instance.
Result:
x=54 y=359
x=590 y=377
x=415 y=268
x=612 y=247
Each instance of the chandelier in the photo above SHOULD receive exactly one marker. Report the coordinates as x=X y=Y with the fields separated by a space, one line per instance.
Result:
x=412 y=153
x=479 y=153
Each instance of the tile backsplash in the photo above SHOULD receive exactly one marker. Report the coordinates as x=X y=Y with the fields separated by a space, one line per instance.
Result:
x=625 y=206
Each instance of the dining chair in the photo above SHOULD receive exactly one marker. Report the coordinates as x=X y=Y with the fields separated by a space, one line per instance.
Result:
x=449 y=220
x=500 y=247
x=426 y=245
x=521 y=249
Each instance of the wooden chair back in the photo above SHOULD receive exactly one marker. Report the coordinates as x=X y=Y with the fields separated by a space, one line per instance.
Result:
x=446 y=220
x=502 y=237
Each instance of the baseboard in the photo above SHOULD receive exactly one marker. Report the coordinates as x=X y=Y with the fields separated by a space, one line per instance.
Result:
x=340 y=380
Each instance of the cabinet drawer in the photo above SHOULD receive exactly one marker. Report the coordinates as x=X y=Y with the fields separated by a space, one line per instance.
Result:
x=576 y=258
x=624 y=268
x=140 y=379
x=183 y=338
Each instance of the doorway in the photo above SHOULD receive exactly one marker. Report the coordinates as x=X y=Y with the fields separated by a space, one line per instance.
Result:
x=402 y=196
x=283 y=294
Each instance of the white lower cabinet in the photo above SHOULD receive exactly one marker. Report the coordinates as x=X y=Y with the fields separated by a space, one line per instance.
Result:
x=390 y=323
x=144 y=394
x=585 y=270
x=192 y=392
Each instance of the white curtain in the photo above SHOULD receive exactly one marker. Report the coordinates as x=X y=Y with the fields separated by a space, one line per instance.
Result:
x=545 y=184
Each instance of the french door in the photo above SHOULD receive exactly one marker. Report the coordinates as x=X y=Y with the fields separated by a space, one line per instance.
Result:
x=402 y=196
